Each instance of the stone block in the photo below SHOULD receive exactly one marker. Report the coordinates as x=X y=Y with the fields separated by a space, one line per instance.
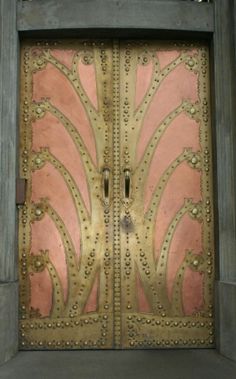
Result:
x=8 y=320
x=227 y=319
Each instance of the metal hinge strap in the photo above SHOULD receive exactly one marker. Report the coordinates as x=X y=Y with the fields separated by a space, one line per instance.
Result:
x=20 y=191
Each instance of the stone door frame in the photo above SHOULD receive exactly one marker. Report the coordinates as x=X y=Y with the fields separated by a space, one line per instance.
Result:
x=168 y=19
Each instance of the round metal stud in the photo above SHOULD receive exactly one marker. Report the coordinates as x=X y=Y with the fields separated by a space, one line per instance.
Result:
x=191 y=63
x=194 y=160
x=194 y=211
x=38 y=263
x=38 y=110
x=38 y=212
x=37 y=160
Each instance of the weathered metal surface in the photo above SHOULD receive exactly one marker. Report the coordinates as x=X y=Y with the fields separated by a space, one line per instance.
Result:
x=66 y=226
x=167 y=256
x=142 y=14
x=116 y=236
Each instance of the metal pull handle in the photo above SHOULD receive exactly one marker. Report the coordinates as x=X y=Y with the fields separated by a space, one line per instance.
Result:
x=127 y=183
x=106 y=177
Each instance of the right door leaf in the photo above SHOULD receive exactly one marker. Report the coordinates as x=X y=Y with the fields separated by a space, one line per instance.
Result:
x=167 y=220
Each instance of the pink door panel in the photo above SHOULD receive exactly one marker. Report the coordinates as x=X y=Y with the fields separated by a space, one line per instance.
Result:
x=167 y=243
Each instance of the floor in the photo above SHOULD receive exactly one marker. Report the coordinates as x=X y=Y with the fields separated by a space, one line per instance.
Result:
x=149 y=364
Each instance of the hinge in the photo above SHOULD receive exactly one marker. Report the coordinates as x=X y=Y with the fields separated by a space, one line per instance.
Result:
x=20 y=191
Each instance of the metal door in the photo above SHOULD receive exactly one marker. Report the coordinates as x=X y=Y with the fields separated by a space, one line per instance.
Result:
x=116 y=233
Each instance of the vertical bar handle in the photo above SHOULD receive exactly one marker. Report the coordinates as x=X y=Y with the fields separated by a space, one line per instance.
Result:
x=127 y=183
x=106 y=184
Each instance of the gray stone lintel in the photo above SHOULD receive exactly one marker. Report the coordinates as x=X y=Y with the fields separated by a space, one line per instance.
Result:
x=8 y=320
x=129 y=14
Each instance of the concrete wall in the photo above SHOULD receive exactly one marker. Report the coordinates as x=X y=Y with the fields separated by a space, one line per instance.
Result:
x=8 y=128
x=224 y=97
x=144 y=18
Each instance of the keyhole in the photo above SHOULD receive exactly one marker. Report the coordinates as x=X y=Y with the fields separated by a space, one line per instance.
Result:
x=127 y=224
x=106 y=173
x=127 y=220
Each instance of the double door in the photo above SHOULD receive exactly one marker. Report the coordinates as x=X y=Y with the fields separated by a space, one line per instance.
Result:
x=116 y=233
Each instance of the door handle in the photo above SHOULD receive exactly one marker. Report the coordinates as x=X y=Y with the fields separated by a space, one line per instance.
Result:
x=127 y=183
x=106 y=184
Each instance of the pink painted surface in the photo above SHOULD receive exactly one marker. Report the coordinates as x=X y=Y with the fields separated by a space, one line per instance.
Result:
x=92 y=303
x=179 y=85
x=42 y=233
x=45 y=184
x=87 y=76
x=64 y=56
x=183 y=132
x=41 y=240
x=187 y=237
x=143 y=80
x=52 y=84
x=48 y=132
x=41 y=292
x=184 y=183
x=143 y=304
x=192 y=292
x=48 y=183
x=166 y=57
